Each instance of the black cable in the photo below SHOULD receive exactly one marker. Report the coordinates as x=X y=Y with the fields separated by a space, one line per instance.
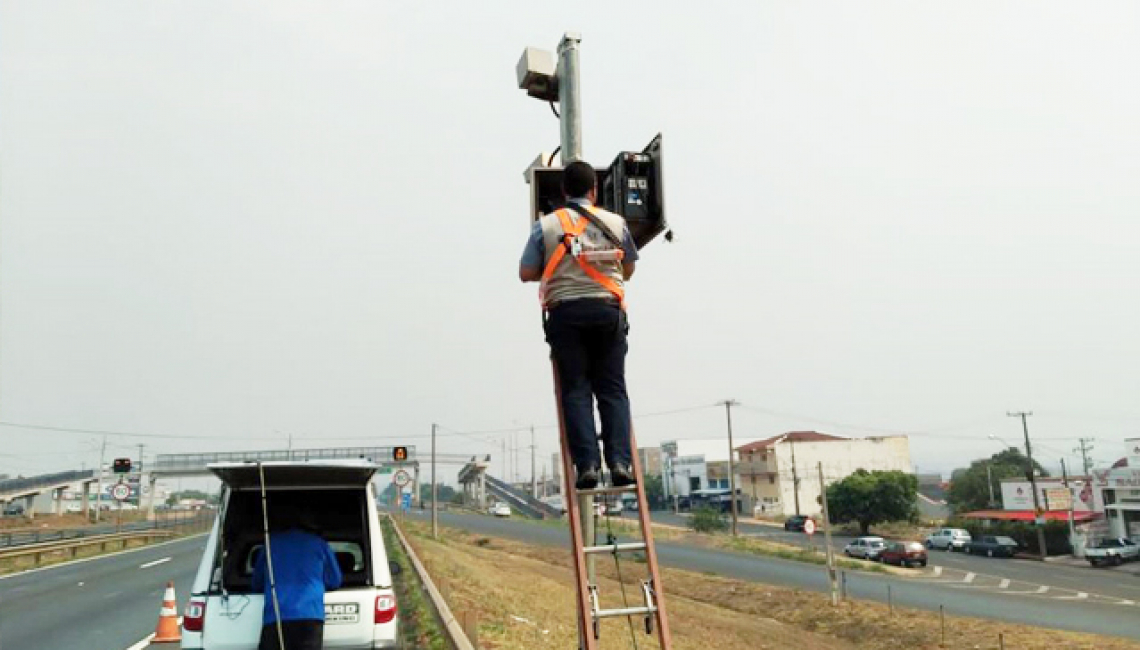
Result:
x=612 y=539
x=555 y=110
x=550 y=161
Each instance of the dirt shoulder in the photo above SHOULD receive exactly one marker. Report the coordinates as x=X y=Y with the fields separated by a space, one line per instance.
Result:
x=524 y=598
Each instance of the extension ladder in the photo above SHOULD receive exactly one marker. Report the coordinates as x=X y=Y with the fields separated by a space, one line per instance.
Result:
x=590 y=611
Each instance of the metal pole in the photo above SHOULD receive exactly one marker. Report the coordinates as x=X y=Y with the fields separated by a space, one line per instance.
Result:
x=139 y=500
x=1038 y=513
x=827 y=539
x=728 y=404
x=533 y=474
x=99 y=484
x=434 y=488
x=569 y=98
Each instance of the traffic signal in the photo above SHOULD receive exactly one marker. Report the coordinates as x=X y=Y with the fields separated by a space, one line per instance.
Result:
x=121 y=465
x=400 y=454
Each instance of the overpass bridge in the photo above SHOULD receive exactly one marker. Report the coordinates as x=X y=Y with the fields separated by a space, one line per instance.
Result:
x=29 y=488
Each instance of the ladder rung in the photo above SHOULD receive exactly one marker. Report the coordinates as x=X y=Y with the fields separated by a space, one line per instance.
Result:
x=609 y=490
x=624 y=611
x=615 y=548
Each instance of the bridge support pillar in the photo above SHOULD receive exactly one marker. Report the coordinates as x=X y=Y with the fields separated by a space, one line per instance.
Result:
x=57 y=494
x=30 y=506
x=151 y=481
x=482 y=489
x=85 y=501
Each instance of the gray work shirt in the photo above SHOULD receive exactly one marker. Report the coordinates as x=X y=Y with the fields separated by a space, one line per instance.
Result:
x=534 y=254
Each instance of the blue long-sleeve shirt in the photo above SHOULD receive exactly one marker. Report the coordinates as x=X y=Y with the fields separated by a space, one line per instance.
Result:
x=304 y=566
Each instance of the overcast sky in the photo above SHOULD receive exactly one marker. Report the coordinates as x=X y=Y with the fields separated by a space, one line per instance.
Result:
x=239 y=222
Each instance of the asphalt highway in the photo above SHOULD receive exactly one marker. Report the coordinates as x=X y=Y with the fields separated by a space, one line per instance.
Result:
x=104 y=603
x=1122 y=582
x=962 y=593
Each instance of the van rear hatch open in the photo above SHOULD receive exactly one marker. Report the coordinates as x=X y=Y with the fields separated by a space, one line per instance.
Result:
x=294 y=475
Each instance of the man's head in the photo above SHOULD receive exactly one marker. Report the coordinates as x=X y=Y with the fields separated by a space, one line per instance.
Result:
x=579 y=181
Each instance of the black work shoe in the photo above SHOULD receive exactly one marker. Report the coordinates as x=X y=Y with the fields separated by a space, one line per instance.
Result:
x=622 y=475
x=587 y=478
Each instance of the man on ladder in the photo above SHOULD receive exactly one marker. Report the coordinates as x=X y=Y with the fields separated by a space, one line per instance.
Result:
x=583 y=255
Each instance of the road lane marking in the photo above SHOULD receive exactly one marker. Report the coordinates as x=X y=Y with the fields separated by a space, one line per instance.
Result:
x=1004 y=583
x=1042 y=589
x=937 y=571
x=969 y=577
x=1081 y=595
x=155 y=563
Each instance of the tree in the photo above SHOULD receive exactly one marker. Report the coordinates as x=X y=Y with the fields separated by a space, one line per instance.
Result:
x=870 y=498
x=970 y=486
x=654 y=491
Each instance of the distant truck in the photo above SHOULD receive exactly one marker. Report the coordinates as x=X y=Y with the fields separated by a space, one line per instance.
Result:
x=1115 y=551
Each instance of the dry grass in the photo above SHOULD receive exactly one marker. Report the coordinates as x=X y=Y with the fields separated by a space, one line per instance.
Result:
x=523 y=597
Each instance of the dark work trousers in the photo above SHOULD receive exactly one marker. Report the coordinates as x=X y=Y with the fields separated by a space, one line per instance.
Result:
x=587 y=340
x=299 y=635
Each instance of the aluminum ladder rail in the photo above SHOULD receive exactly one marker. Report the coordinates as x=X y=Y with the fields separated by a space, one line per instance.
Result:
x=590 y=612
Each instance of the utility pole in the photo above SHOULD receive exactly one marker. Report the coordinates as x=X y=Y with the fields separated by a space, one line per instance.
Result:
x=139 y=502
x=434 y=489
x=1085 y=448
x=1039 y=516
x=830 y=552
x=506 y=474
x=99 y=481
x=728 y=404
x=533 y=474
x=795 y=477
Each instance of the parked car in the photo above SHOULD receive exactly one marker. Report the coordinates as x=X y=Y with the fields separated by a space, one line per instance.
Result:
x=992 y=546
x=1115 y=550
x=499 y=509
x=948 y=539
x=903 y=554
x=13 y=510
x=867 y=548
x=336 y=498
x=795 y=522
x=75 y=508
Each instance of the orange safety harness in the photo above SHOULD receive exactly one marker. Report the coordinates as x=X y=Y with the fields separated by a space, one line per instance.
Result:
x=570 y=232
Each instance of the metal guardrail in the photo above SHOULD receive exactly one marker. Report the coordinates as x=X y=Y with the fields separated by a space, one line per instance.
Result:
x=72 y=546
x=45 y=480
x=24 y=537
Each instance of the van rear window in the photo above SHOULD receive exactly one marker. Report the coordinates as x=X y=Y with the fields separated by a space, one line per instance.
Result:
x=339 y=516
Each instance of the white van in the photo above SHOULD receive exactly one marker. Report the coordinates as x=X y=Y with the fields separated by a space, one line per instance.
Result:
x=338 y=498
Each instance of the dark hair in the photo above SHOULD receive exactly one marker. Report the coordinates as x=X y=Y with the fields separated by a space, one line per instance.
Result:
x=578 y=179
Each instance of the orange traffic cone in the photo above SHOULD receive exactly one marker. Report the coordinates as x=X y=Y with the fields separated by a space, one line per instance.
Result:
x=168 y=630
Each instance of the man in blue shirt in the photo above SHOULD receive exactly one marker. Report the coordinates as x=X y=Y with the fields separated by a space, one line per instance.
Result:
x=304 y=566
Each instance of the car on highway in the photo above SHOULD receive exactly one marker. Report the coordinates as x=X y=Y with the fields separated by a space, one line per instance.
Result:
x=335 y=498
x=499 y=509
x=1114 y=550
x=867 y=548
x=992 y=546
x=795 y=522
x=903 y=554
x=948 y=539
x=13 y=510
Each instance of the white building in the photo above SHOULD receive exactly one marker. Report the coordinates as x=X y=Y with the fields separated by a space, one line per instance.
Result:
x=1119 y=491
x=780 y=475
x=693 y=465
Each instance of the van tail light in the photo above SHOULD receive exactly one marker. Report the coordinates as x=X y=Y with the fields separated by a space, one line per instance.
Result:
x=385 y=608
x=194 y=616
